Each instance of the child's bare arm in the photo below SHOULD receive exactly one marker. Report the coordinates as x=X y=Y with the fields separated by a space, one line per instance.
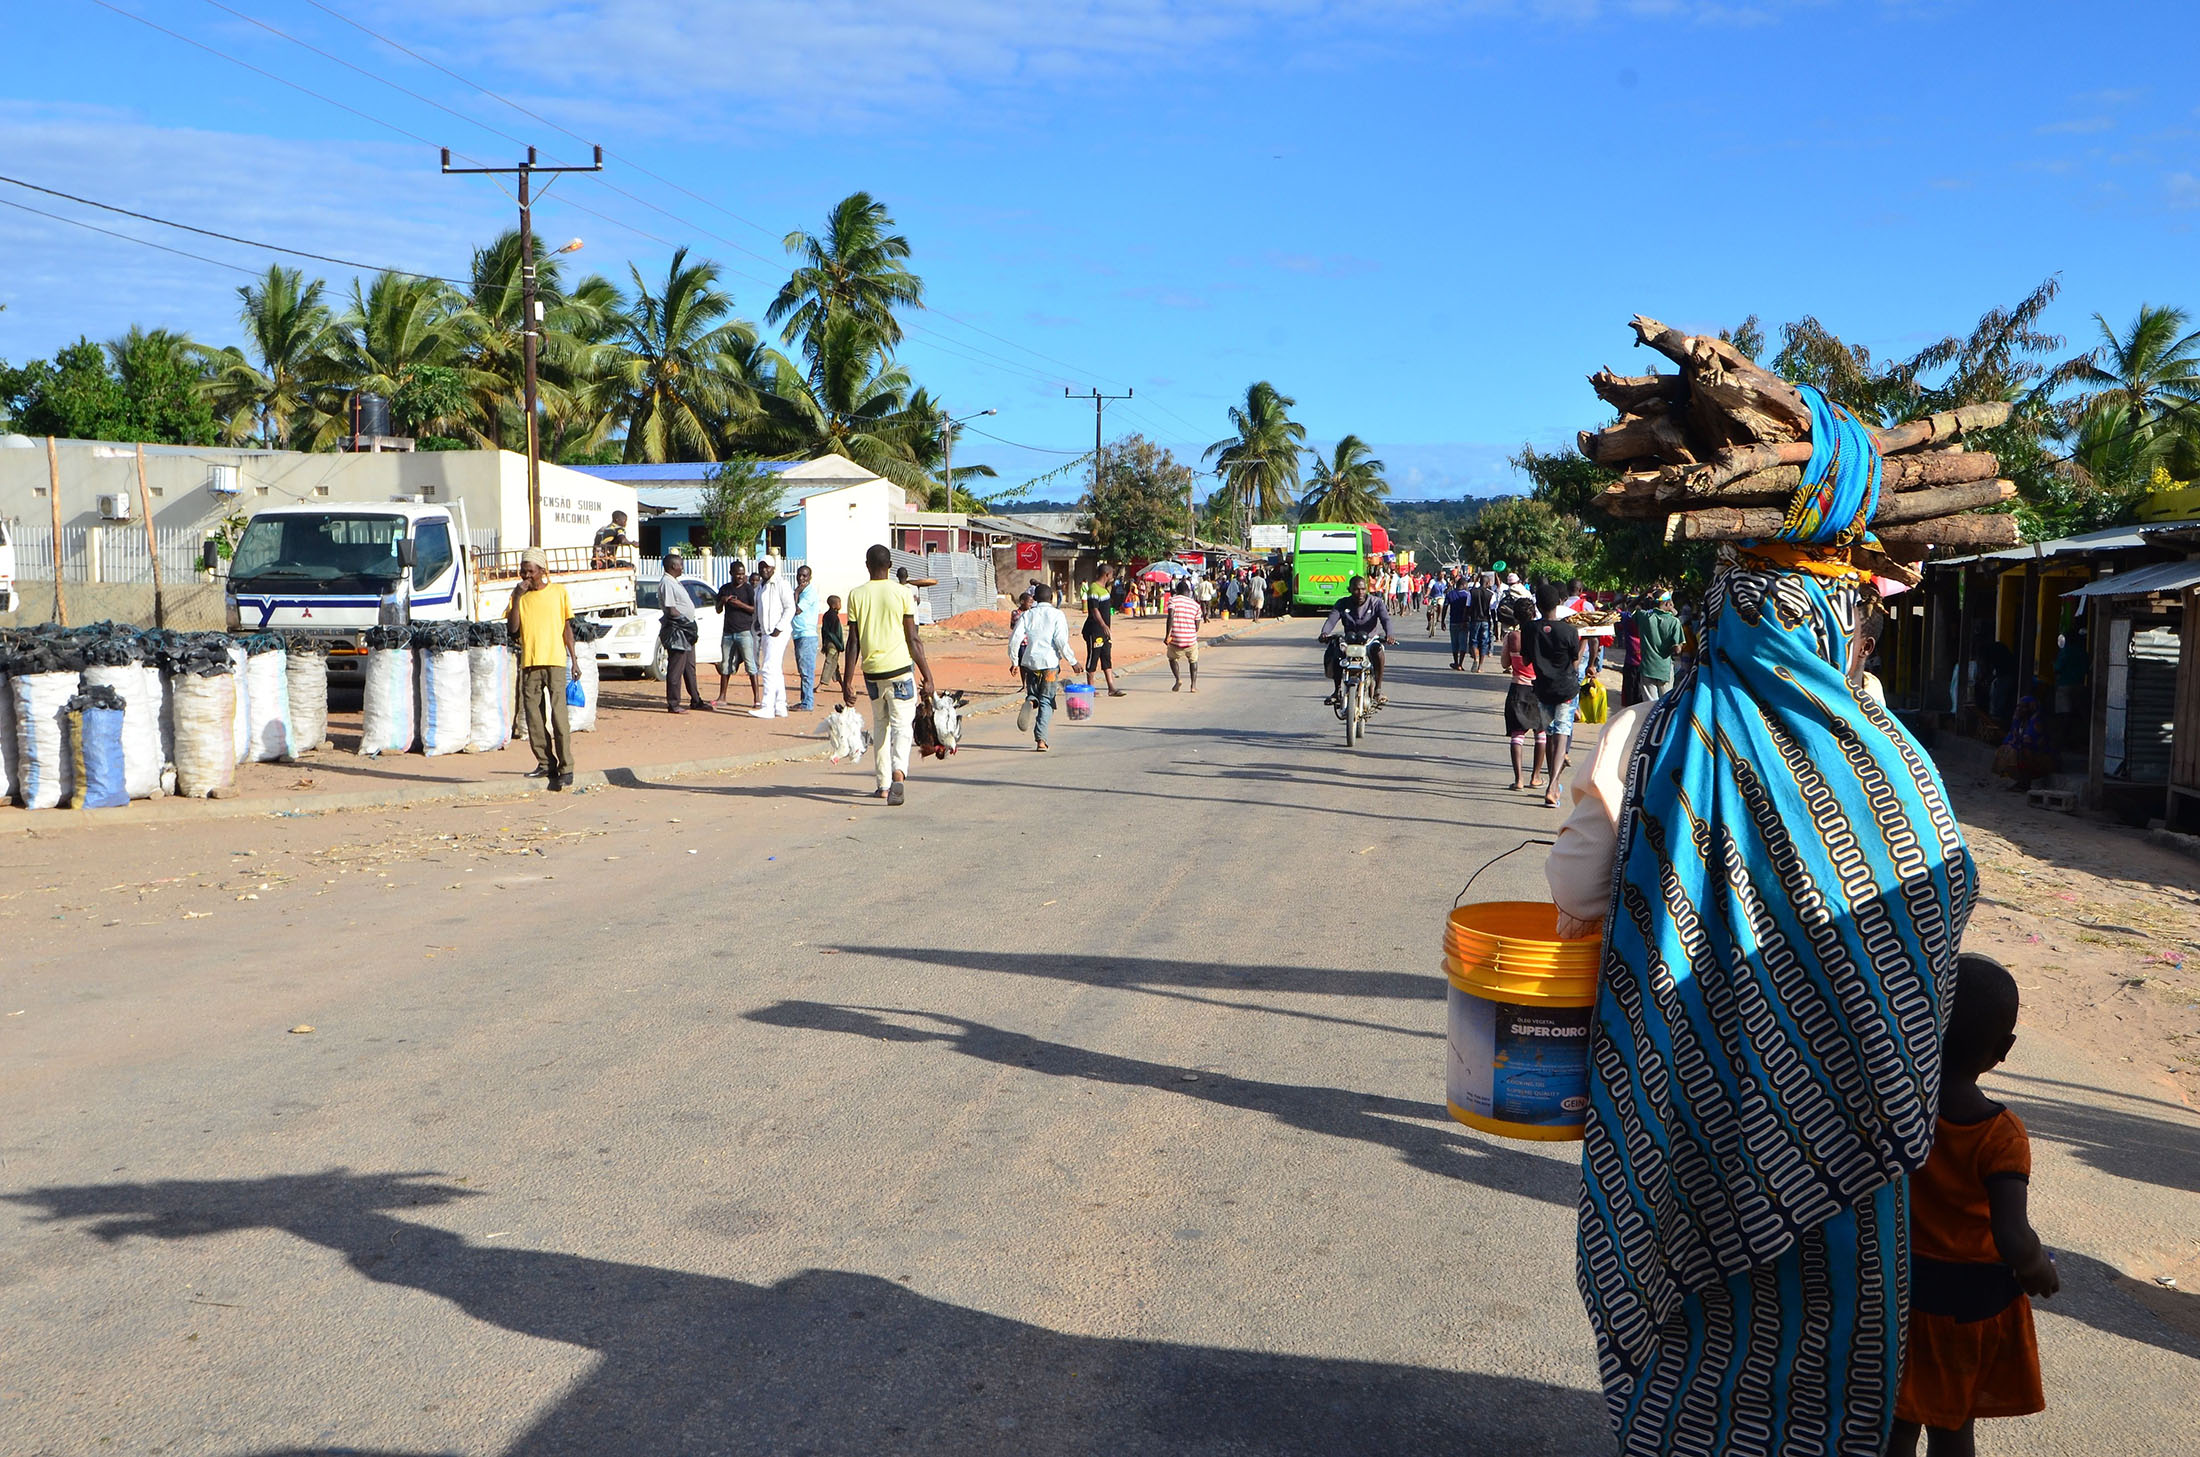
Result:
x=2014 y=1239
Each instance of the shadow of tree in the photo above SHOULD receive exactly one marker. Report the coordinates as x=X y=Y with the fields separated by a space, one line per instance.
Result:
x=832 y=1362
x=1422 y=1134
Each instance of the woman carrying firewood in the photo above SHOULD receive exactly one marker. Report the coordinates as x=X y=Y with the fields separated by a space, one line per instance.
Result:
x=1782 y=889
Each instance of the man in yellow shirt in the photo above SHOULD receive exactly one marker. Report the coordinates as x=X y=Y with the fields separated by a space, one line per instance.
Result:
x=883 y=640
x=541 y=622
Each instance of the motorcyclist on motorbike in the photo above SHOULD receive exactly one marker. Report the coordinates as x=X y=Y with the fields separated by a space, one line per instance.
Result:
x=1362 y=614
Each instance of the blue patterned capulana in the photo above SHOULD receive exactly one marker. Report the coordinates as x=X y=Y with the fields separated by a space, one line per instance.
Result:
x=1789 y=892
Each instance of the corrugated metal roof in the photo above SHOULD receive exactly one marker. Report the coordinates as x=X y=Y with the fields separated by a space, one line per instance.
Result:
x=2112 y=538
x=2161 y=577
x=1017 y=526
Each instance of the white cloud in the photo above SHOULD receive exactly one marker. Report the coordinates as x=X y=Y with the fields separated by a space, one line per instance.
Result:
x=378 y=204
x=2183 y=189
x=846 y=62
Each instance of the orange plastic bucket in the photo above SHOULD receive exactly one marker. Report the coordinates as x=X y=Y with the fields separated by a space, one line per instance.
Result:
x=1517 y=1029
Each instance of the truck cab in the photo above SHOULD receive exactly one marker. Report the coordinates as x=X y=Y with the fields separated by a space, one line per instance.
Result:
x=335 y=570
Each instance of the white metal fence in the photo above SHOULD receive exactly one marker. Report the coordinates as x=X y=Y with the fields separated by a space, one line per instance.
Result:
x=116 y=554
x=965 y=580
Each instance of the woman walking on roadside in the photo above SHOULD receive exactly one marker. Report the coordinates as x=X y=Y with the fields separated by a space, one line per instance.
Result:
x=1783 y=889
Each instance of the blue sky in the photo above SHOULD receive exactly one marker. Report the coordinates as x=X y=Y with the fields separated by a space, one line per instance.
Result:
x=1426 y=220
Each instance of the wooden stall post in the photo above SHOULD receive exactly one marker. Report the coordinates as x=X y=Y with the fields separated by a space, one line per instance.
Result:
x=152 y=542
x=53 y=499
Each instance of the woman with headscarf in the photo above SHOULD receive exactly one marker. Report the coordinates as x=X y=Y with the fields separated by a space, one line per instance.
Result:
x=1782 y=889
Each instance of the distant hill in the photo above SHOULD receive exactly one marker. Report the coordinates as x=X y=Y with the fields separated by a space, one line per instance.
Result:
x=1012 y=508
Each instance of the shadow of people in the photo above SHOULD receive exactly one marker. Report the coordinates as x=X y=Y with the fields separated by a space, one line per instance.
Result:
x=2131 y=1145
x=2098 y=1294
x=1423 y=1134
x=828 y=1361
x=1141 y=972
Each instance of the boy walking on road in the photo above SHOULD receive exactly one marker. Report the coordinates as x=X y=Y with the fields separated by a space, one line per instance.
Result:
x=541 y=623
x=882 y=639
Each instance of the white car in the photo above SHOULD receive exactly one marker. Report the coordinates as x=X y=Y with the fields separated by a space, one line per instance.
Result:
x=633 y=645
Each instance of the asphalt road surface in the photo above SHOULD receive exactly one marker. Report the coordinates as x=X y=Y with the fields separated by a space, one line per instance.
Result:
x=1090 y=1103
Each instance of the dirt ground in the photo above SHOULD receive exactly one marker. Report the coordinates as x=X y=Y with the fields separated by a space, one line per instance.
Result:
x=2101 y=927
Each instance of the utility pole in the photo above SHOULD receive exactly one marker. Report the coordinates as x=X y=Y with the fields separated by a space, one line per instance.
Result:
x=530 y=311
x=1100 y=402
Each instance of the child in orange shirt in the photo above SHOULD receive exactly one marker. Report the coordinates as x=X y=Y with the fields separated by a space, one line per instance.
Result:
x=1973 y=1256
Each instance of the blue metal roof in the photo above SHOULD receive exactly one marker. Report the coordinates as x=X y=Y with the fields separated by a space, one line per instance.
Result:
x=693 y=470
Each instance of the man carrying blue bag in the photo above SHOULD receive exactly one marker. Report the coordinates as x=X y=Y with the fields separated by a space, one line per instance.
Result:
x=541 y=621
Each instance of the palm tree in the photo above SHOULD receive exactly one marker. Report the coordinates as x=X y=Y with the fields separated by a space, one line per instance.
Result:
x=267 y=395
x=571 y=355
x=684 y=373
x=853 y=401
x=395 y=329
x=2153 y=366
x=1349 y=486
x=1259 y=465
x=857 y=269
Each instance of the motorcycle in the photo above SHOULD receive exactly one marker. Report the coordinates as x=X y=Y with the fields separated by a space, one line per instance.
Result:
x=1355 y=686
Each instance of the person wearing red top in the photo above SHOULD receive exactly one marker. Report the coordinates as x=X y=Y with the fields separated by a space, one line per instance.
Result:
x=1974 y=1258
x=1180 y=633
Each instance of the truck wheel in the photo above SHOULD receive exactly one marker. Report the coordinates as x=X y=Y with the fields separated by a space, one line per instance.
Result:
x=659 y=665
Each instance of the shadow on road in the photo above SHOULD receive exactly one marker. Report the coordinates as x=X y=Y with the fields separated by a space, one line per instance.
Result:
x=2098 y=1294
x=2130 y=1145
x=1169 y=978
x=828 y=1361
x=1423 y=1134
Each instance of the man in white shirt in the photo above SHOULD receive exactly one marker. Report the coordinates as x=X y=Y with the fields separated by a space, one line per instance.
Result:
x=774 y=623
x=1039 y=649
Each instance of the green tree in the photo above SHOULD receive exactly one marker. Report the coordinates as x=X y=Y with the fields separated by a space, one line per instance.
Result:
x=859 y=268
x=267 y=391
x=682 y=371
x=1349 y=486
x=577 y=358
x=1528 y=536
x=739 y=505
x=2153 y=366
x=163 y=374
x=1140 y=503
x=76 y=396
x=852 y=401
x=1259 y=465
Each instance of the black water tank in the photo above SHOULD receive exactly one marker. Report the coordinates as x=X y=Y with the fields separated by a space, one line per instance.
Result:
x=370 y=415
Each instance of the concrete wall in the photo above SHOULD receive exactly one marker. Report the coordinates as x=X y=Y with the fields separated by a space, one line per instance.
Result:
x=839 y=526
x=191 y=607
x=180 y=480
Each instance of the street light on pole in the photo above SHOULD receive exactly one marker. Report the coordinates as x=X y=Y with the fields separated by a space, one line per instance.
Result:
x=947 y=446
x=530 y=311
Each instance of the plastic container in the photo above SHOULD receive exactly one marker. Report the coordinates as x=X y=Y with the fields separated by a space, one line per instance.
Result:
x=1517 y=1025
x=1077 y=698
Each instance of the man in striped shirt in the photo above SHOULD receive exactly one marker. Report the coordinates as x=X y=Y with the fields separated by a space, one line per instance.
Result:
x=1181 y=634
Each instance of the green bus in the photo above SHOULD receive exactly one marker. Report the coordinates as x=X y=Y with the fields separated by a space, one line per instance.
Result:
x=1325 y=556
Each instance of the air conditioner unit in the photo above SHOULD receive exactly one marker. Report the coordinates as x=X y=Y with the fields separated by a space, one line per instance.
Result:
x=222 y=480
x=115 y=507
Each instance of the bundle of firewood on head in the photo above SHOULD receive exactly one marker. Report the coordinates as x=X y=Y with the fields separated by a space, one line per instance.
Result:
x=1721 y=451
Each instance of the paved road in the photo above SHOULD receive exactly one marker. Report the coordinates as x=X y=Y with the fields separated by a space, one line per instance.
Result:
x=1091 y=1103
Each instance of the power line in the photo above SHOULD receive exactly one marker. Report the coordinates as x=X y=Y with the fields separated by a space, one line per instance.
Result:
x=147 y=217
x=362 y=70
x=258 y=71
x=1041 y=449
x=628 y=227
x=533 y=115
x=125 y=237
